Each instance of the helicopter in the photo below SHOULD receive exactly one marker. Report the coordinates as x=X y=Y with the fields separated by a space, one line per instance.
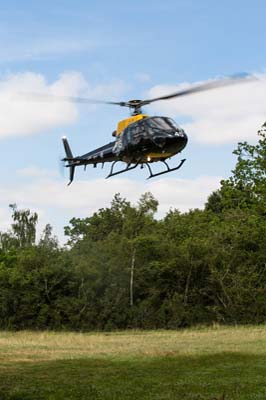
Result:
x=140 y=139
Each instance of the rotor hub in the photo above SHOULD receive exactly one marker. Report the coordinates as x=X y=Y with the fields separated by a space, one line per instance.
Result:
x=135 y=105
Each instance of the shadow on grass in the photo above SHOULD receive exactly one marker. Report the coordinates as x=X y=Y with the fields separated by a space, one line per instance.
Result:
x=223 y=376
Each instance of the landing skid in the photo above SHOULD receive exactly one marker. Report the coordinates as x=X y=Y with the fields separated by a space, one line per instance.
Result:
x=168 y=169
x=152 y=175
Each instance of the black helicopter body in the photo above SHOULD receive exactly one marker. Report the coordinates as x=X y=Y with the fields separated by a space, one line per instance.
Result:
x=147 y=140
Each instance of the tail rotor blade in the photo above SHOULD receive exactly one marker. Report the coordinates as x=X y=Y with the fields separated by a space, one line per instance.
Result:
x=61 y=166
x=71 y=174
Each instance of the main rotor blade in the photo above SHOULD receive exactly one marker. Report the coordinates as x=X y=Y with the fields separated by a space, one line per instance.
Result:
x=201 y=87
x=72 y=99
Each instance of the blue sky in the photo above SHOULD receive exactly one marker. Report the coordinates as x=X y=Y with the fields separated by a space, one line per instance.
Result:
x=122 y=50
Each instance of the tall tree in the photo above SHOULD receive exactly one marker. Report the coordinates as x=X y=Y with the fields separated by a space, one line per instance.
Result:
x=24 y=226
x=246 y=188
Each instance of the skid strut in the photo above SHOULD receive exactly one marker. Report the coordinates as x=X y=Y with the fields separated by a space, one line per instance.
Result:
x=121 y=171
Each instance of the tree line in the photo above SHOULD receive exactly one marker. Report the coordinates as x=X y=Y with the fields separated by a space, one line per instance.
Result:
x=123 y=268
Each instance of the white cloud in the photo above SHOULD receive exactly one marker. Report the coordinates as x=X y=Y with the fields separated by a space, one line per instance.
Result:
x=88 y=196
x=183 y=194
x=26 y=115
x=229 y=114
x=36 y=172
x=22 y=116
x=57 y=202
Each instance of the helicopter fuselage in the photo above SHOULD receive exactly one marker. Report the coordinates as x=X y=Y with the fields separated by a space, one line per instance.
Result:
x=147 y=140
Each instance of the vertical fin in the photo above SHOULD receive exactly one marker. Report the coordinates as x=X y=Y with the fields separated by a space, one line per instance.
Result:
x=67 y=148
x=69 y=158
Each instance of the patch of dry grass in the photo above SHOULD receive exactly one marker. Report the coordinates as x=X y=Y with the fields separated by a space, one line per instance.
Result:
x=195 y=364
x=47 y=346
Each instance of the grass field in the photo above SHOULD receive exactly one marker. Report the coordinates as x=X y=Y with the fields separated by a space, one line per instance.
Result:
x=200 y=364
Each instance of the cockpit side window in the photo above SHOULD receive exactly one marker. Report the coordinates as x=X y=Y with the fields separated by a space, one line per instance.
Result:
x=136 y=131
x=120 y=143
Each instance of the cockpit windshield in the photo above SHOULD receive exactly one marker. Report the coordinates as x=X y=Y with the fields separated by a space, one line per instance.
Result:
x=172 y=123
x=161 y=123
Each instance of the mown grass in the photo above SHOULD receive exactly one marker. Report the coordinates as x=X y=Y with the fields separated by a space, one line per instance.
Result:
x=197 y=364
